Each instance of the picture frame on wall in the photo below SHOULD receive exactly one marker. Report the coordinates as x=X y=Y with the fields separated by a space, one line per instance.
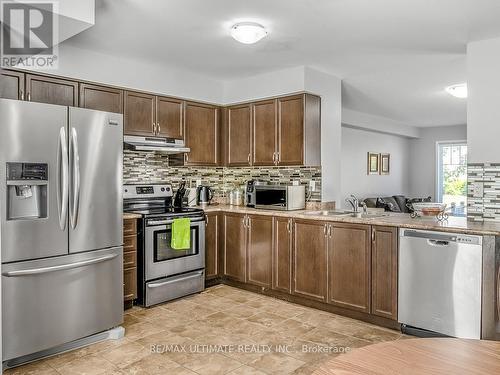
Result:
x=385 y=163
x=373 y=162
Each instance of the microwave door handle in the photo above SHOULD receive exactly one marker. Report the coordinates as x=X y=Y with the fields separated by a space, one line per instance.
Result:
x=62 y=178
x=76 y=179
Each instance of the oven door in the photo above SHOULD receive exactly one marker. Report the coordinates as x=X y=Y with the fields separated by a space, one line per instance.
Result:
x=161 y=260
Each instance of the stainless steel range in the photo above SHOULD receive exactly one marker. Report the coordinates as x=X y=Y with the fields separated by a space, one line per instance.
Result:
x=163 y=272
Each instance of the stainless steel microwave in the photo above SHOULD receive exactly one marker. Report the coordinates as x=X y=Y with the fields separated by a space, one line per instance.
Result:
x=280 y=197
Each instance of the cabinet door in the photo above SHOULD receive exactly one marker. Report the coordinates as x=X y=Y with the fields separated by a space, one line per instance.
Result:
x=349 y=266
x=130 y=284
x=385 y=272
x=264 y=133
x=101 y=98
x=169 y=114
x=291 y=130
x=310 y=255
x=238 y=135
x=139 y=114
x=202 y=134
x=282 y=255
x=51 y=90
x=212 y=246
x=11 y=85
x=260 y=250
x=235 y=247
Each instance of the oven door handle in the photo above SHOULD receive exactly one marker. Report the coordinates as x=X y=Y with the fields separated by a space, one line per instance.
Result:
x=177 y=279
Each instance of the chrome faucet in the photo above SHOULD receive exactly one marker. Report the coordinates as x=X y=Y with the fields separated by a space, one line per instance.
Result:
x=354 y=202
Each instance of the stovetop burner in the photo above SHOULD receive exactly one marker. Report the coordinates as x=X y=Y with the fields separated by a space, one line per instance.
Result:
x=164 y=211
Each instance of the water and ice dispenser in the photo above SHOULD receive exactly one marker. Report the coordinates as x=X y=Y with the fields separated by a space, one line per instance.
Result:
x=27 y=185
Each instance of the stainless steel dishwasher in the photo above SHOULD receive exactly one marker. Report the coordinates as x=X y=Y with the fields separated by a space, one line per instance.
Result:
x=440 y=279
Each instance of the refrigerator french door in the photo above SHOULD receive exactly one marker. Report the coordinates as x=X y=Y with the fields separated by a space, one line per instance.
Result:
x=61 y=229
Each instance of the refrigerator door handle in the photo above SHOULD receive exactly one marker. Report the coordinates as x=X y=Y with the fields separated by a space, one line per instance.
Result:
x=62 y=267
x=76 y=179
x=62 y=178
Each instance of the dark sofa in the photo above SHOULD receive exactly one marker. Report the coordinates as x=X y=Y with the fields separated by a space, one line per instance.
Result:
x=396 y=203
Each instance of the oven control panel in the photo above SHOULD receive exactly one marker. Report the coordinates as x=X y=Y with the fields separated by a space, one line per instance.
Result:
x=147 y=191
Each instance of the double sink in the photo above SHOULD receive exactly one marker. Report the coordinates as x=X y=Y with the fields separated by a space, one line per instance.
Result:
x=361 y=215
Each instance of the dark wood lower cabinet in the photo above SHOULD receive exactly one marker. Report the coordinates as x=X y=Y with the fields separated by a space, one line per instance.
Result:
x=310 y=260
x=235 y=239
x=349 y=266
x=129 y=261
x=282 y=254
x=260 y=250
x=385 y=272
x=212 y=246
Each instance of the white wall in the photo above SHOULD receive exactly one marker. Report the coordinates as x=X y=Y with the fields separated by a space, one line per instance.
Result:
x=356 y=143
x=483 y=103
x=137 y=74
x=423 y=157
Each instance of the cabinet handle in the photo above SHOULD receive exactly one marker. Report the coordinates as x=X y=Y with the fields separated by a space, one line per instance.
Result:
x=248 y=158
x=330 y=231
x=28 y=96
x=159 y=128
x=278 y=157
x=154 y=128
x=373 y=236
x=21 y=94
x=289 y=226
x=206 y=219
x=324 y=230
x=274 y=157
x=186 y=158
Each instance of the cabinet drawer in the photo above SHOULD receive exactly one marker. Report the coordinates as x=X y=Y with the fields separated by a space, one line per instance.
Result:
x=129 y=227
x=130 y=284
x=129 y=260
x=129 y=243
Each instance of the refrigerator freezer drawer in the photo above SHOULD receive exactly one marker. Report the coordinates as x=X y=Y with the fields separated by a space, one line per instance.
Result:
x=54 y=301
x=170 y=288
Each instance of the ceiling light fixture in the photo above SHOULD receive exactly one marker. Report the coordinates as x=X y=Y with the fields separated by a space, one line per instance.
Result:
x=248 y=32
x=458 y=91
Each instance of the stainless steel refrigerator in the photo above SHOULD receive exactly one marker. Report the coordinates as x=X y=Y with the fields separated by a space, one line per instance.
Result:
x=61 y=224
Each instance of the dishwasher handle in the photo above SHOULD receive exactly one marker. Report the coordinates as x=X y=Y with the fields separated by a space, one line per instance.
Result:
x=438 y=243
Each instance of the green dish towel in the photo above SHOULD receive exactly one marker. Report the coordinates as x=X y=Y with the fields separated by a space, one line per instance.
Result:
x=181 y=234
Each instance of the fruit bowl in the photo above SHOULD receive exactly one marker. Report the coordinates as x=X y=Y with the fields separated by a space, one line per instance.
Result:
x=428 y=209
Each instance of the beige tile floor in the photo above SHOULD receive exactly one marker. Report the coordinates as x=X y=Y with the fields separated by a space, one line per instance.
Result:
x=223 y=330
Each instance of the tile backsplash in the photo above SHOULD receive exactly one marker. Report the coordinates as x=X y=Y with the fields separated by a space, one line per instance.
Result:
x=150 y=167
x=485 y=206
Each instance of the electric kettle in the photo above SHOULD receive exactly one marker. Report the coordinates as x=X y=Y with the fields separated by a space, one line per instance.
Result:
x=204 y=195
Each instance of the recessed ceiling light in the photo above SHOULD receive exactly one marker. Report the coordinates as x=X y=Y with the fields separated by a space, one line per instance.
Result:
x=248 y=32
x=458 y=91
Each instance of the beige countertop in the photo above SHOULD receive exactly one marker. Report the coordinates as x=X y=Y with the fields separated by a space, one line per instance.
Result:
x=453 y=224
x=127 y=215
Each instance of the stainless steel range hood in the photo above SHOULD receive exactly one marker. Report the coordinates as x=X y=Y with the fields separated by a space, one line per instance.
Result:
x=163 y=145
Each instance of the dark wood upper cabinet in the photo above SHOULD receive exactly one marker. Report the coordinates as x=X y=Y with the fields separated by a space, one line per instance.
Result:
x=310 y=260
x=260 y=250
x=385 y=272
x=139 y=114
x=291 y=130
x=169 y=117
x=212 y=246
x=238 y=135
x=11 y=85
x=235 y=239
x=101 y=98
x=202 y=134
x=282 y=254
x=51 y=90
x=264 y=133
x=349 y=266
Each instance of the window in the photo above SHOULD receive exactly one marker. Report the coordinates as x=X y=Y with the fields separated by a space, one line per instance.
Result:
x=452 y=176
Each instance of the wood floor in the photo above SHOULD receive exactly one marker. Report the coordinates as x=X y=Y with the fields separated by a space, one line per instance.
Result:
x=223 y=330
